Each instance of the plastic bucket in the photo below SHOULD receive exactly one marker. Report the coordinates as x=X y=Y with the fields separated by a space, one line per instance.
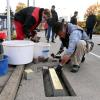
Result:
x=4 y=65
x=19 y=51
x=41 y=50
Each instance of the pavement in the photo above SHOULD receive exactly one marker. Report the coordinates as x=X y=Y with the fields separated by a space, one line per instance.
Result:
x=85 y=83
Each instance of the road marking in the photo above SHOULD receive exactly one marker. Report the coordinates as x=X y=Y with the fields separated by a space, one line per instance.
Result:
x=95 y=55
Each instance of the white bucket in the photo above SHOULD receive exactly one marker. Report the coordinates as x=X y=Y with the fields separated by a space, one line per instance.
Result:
x=19 y=51
x=41 y=50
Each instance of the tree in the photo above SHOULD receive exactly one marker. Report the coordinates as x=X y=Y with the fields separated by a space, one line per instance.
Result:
x=93 y=8
x=20 y=6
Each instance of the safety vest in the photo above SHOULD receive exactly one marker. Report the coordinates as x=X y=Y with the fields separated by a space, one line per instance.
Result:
x=35 y=14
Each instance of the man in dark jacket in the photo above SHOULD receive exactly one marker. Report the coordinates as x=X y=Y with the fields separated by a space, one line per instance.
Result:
x=90 y=24
x=51 y=21
x=26 y=21
x=74 y=19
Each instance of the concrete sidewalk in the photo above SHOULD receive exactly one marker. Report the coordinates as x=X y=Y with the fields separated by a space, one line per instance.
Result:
x=85 y=83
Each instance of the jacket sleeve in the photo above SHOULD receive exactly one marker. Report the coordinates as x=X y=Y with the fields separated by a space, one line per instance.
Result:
x=73 y=40
x=28 y=24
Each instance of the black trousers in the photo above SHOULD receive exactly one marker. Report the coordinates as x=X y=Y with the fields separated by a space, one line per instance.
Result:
x=90 y=32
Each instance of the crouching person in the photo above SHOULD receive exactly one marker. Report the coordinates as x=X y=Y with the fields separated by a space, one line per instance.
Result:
x=27 y=20
x=77 y=44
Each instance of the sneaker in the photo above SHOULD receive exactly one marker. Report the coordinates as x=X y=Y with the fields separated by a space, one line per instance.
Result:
x=75 y=68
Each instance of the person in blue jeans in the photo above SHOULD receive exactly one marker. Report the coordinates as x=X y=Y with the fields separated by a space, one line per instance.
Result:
x=51 y=21
x=49 y=32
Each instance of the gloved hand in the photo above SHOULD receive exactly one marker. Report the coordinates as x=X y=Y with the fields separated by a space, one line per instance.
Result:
x=59 y=52
x=55 y=56
x=59 y=70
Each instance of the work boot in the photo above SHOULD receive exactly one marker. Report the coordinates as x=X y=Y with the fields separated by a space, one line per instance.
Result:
x=58 y=69
x=75 y=68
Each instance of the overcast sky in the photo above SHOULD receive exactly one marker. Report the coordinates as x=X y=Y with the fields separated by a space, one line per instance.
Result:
x=63 y=7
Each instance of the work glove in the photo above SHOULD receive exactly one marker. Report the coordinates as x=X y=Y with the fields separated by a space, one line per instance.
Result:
x=34 y=37
x=59 y=70
x=59 y=52
x=55 y=56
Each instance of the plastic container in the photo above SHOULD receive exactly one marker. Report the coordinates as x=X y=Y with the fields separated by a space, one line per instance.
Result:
x=41 y=50
x=19 y=51
x=4 y=65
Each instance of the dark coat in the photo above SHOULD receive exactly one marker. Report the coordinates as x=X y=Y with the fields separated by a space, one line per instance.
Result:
x=73 y=20
x=91 y=21
x=54 y=19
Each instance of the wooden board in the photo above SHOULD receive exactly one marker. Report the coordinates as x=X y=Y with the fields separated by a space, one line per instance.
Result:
x=56 y=84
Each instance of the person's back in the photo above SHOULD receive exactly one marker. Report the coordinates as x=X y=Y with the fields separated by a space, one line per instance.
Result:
x=74 y=19
x=23 y=14
x=27 y=20
x=75 y=33
x=72 y=28
x=91 y=20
